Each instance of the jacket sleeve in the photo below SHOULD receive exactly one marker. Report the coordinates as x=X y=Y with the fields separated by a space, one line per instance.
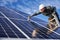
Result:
x=37 y=13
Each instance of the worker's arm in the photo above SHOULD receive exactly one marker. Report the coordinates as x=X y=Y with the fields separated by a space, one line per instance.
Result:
x=37 y=13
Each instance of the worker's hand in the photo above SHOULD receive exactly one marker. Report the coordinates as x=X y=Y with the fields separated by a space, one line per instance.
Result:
x=29 y=17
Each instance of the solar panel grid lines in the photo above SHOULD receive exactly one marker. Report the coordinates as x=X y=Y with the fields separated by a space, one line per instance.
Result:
x=25 y=26
x=15 y=26
x=14 y=18
x=11 y=28
x=8 y=30
x=15 y=29
x=4 y=31
x=10 y=13
x=22 y=26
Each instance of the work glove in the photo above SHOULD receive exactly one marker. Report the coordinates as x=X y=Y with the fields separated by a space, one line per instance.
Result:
x=29 y=17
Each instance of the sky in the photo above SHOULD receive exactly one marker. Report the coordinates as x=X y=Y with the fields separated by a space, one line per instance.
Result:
x=30 y=6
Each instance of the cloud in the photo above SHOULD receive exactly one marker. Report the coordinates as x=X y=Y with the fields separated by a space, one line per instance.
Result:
x=4 y=2
x=55 y=3
x=24 y=9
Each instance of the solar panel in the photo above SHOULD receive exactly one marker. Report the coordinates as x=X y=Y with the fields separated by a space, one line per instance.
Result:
x=14 y=24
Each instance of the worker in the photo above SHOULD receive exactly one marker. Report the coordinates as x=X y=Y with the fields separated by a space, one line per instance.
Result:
x=47 y=11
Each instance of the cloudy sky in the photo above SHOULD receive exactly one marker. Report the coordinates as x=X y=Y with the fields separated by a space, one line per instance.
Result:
x=30 y=6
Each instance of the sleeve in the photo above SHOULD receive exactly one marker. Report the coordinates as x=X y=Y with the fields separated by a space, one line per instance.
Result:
x=36 y=13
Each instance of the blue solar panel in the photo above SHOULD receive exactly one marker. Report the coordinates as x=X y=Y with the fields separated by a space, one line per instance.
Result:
x=7 y=29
